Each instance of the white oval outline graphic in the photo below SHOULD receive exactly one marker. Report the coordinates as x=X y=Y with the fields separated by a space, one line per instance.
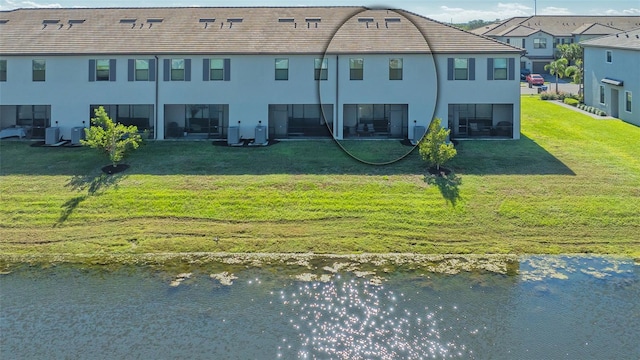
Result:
x=435 y=99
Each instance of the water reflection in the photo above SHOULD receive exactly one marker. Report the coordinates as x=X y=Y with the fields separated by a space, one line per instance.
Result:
x=557 y=307
x=356 y=320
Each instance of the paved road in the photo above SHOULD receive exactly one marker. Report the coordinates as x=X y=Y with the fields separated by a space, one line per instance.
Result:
x=563 y=85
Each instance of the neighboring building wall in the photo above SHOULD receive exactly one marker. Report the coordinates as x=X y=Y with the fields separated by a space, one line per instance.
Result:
x=623 y=67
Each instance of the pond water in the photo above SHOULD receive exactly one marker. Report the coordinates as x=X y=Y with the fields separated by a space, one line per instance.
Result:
x=555 y=307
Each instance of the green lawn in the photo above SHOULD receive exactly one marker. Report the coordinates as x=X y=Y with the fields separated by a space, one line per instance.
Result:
x=570 y=185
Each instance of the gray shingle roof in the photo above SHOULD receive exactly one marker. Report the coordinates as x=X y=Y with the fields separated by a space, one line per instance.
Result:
x=595 y=29
x=231 y=30
x=629 y=40
x=560 y=25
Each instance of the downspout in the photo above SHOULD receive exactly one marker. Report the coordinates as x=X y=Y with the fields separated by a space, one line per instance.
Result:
x=155 y=135
x=338 y=129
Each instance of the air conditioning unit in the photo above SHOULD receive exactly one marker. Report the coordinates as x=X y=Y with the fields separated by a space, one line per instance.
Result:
x=77 y=134
x=261 y=134
x=51 y=135
x=418 y=133
x=233 y=135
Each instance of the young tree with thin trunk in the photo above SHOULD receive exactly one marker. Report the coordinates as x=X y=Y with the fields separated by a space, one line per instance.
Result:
x=557 y=68
x=114 y=139
x=434 y=148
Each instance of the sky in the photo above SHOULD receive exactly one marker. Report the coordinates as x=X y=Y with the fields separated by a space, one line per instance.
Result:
x=456 y=11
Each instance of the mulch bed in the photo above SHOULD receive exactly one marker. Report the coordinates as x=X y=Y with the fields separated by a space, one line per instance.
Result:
x=443 y=170
x=110 y=169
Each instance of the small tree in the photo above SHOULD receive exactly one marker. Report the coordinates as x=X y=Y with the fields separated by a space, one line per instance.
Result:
x=575 y=72
x=571 y=52
x=557 y=68
x=113 y=138
x=434 y=148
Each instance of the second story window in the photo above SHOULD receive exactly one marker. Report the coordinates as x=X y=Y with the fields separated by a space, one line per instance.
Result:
x=320 y=69
x=609 y=57
x=540 y=43
x=102 y=70
x=216 y=70
x=142 y=70
x=500 y=69
x=282 y=69
x=461 y=69
x=356 y=69
x=3 y=70
x=177 y=69
x=395 y=69
x=39 y=70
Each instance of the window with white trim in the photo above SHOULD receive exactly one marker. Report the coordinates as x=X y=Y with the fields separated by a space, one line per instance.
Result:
x=609 y=56
x=395 y=69
x=321 y=69
x=102 y=70
x=539 y=43
x=282 y=69
x=627 y=101
x=39 y=68
x=177 y=70
x=141 y=70
x=356 y=69
x=602 y=94
x=500 y=69
x=460 y=69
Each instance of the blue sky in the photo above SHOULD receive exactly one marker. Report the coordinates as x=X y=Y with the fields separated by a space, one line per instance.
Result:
x=442 y=10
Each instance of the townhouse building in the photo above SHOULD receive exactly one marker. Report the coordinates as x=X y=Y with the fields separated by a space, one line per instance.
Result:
x=540 y=35
x=288 y=72
x=612 y=74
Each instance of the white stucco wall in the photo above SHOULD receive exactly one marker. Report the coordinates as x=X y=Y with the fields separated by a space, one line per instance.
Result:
x=253 y=87
x=480 y=90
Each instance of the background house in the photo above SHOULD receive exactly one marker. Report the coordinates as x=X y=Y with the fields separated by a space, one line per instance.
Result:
x=612 y=74
x=298 y=72
x=540 y=35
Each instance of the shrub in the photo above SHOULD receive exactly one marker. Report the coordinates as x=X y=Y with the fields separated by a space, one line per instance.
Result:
x=602 y=113
x=112 y=138
x=570 y=101
x=433 y=147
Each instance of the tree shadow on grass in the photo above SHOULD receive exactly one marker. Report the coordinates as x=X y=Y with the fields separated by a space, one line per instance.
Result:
x=448 y=184
x=94 y=185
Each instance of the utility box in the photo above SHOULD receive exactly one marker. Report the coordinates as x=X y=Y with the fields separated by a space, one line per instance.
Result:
x=51 y=135
x=261 y=134
x=418 y=133
x=233 y=135
x=77 y=134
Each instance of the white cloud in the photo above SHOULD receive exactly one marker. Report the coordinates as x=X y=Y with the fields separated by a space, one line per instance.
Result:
x=461 y=15
x=12 y=4
x=514 y=6
x=448 y=9
x=551 y=10
x=631 y=11
x=36 y=5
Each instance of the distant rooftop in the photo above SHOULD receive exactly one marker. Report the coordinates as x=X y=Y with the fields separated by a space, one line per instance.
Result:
x=629 y=40
x=561 y=25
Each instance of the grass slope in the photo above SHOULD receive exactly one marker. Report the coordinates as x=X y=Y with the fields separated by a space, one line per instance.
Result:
x=571 y=184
